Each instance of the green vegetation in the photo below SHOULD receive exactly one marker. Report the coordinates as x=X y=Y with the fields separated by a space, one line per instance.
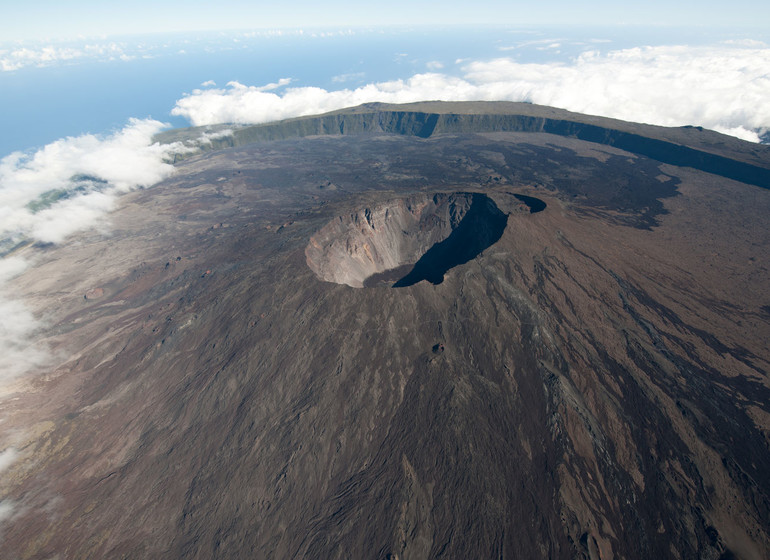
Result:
x=47 y=199
x=80 y=183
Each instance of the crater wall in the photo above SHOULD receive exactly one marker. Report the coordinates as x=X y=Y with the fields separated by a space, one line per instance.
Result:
x=434 y=233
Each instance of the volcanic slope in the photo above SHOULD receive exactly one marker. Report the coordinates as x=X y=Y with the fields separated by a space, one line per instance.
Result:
x=470 y=345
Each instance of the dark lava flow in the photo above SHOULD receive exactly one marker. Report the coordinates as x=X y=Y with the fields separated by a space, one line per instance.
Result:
x=480 y=228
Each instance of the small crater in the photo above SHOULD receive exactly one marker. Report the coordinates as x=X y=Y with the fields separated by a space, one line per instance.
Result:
x=535 y=205
x=94 y=293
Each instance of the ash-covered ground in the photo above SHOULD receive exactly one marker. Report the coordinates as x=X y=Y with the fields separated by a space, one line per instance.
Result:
x=587 y=378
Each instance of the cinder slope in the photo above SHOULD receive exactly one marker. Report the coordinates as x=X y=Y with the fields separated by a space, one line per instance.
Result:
x=593 y=384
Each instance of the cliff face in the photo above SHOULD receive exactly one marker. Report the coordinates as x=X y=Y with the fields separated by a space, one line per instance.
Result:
x=709 y=157
x=590 y=378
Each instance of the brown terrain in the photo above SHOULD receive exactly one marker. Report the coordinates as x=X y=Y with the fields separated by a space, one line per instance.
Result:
x=408 y=343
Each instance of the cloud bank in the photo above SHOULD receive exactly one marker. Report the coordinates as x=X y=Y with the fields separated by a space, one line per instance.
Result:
x=48 y=55
x=725 y=87
x=6 y=510
x=69 y=184
x=45 y=196
x=39 y=54
x=18 y=352
x=7 y=457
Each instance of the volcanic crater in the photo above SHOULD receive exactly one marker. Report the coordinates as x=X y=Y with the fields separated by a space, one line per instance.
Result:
x=405 y=241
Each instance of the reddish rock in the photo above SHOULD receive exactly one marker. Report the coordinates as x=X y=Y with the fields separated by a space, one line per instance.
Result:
x=94 y=293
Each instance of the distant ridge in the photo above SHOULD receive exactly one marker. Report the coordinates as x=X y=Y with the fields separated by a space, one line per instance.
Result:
x=687 y=146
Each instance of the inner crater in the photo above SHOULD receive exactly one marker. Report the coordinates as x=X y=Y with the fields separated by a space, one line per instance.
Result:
x=405 y=241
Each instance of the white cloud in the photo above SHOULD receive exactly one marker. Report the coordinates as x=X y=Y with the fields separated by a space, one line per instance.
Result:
x=540 y=44
x=18 y=57
x=248 y=104
x=353 y=76
x=7 y=457
x=739 y=132
x=36 y=53
x=18 y=352
x=21 y=57
x=6 y=510
x=268 y=87
x=745 y=42
x=209 y=83
x=69 y=184
x=724 y=87
x=434 y=65
x=10 y=267
x=716 y=87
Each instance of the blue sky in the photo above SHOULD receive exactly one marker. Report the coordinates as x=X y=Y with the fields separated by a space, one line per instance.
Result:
x=48 y=19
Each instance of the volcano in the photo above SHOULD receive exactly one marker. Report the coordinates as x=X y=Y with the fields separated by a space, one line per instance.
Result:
x=474 y=330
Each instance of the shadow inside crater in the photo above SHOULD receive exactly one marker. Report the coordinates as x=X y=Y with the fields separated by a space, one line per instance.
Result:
x=481 y=227
x=535 y=205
